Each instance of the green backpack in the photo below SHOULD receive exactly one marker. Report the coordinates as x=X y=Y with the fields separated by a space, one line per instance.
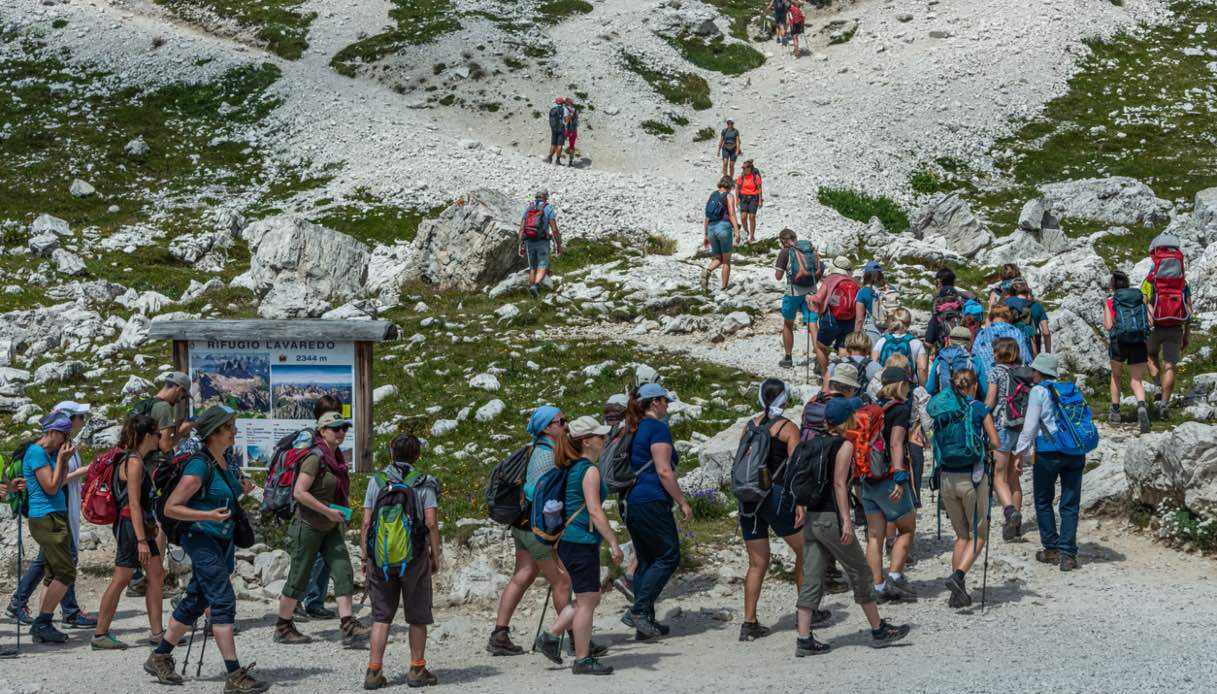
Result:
x=398 y=532
x=957 y=444
x=12 y=469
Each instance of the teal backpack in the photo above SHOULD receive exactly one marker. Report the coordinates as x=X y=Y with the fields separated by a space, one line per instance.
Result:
x=957 y=444
x=897 y=345
x=398 y=532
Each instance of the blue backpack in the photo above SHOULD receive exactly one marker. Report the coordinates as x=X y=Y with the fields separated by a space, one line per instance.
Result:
x=548 y=525
x=948 y=362
x=897 y=345
x=1075 y=431
x=716 y=206
x=957 y=443
x=1130 y=322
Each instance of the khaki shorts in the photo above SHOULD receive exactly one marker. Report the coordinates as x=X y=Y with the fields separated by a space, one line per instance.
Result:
x=963 y=502
x=1168 y=341
x=528 y=542
x=54 y=538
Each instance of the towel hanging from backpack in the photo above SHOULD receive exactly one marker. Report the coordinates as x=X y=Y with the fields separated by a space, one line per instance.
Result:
x=779 y=403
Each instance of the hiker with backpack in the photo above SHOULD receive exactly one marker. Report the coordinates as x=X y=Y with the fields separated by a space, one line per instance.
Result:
x=1061 y=425
x=557 y=131
x=648 y=506
x=1000 y=325
x=837 y=310
x=1009 y=390
x=761 y=470
x=538 y=226
x=72 y=615
x=721 y=225
x=402 y=551
x=1169 y=299
x=780 y=10
x=1126 y=320
x=947 y=308
x=799 y=263
x=898 y=340
x=1007 y=275
x=878 y=300
x=858 y=350
x=798 y=24
x=920 y=424
x=885 y=483
x=546 y=426
x=950 y=359
x=1032 y=316
x=820 y=483
x=570 y=121
x=135 y=530
x=751 y=194
x=200 y=510
x=963 y=436
x=730 y=146
x=322 y=510
x=584 y=528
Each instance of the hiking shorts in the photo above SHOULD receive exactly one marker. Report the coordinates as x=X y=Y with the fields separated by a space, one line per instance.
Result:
x=555 y=137
x=1009 y=439
x=876 y=499
x=776 y=512
x=833 y=333
x=126 y=555
x=413 y=591
x=749 y=204
x=729 y=154
x=721 y=237
x=1168 y=342
x=792 y=306
x=1132 y=353
x=528 y=542
x=779 y=15
x=537 y=253
x=304 y=543
x=582 y=561
x=966 y=504
x=54 y=538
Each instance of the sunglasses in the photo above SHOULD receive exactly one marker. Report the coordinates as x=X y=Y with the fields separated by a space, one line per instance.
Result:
x=344 y=428
x=560 y=421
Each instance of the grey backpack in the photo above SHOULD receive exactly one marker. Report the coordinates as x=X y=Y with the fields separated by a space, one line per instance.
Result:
x=750 y=479
x=615 y=468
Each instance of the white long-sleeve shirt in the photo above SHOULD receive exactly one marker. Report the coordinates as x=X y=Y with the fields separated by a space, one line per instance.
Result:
x=1040 y=414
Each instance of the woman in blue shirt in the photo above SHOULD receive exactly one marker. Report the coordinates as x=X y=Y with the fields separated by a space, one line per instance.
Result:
x=579 y=545
x=648 y=505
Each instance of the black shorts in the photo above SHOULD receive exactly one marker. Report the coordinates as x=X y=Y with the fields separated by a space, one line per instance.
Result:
x=748 y=204
x=729 y=154
x=1128 y=352
x=414 y=589
x=556 y=137
x=126 y=555
x=582 y=562
x=796 y=29
x=779 y=16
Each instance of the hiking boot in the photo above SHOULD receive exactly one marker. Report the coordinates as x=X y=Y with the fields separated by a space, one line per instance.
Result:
x=644 y=628
x=819 y=617
x=137 y=589
x=500 y=644
x=107 y=642
x=374 y=679
x=959 y=593
x=239 y=681
x=809 y=646
x=534 y=291
x=420 y=677
x=625 y=586
x=550 y=647
x=1114 y=417
x=162 y=668
x=1048 y=556
x=705 y=280
x=45 y=632
x=354 y=631
x=1012 y=530
x=1068 y=562
x=590 y=666
x=80 y=620
x=628 y=619
x=298 y=614
x=663 y=629
x=594 y=650
x=286 y=632
x=1143 y=419
x=887 y=634
x=751 y=631
x=787 y=362
x=22 y=616
x=899 y=590
x=549 y=159
x=1163 y=408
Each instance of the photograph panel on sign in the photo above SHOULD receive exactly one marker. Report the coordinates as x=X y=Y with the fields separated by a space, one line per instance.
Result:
x=296 y=388
x=240 y=380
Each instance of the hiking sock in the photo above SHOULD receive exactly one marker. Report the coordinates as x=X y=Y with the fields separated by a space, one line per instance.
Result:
x=375 y=667
x=958 y=575
x=1140 y=405
x=44 y=617
x=232 y=666
x=418 y=664
x=1115 y=406
x=879 y=587
x=165 y=648
x=789 y=355
x=895 y=575
x=346 y=622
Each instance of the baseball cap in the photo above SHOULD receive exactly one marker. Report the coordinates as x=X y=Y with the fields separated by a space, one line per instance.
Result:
x=845 y=374
x=72 y=408
x=654 y=390
x=730 y=122
x=541 y=194
x=620 y=399
x=872 y=266
x=838 y=410
x=333 y=420
x=56 y=421
x=175 y=378
x=213 y=418
x=587 y=426
x=893 y=374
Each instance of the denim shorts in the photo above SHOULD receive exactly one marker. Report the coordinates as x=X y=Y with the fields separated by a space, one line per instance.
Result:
x=876 y=500
x=792 y=306
x=1009 y=439
x=538 y=254
x=721 y=237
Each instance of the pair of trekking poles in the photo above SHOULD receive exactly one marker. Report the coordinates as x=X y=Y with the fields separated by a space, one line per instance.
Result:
x=984 y=581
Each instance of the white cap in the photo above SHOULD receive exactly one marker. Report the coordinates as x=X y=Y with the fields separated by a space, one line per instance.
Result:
x=72 y=408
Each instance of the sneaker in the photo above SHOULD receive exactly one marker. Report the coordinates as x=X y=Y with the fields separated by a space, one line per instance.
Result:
x=549 y=159
x=1163 y=407
x=107 y=642
x=590 y=666
x=1114 y=417
x=137 y=589
x=888 y=634
x=500 y=644
x=625 y=586
x=287 y=633
x=1068 y=562
x=162 y=668
x=1048 y=556
x=819 y=617
x=80 y=620
x=787 y=362
x=420 y=677
x=534 y=291
x=959 y=593
x=22 y=616
x=594 y=650
x=899 y=590
x=628 y=619
x=1012 y=528
x=239 y=681
x=374 y=679
x=809 y=646
x=663 y=629
x=751 y=631
x=549 y=647
x=1143 y=418
x=45 y=632
x=644 y=628
x=355 y=631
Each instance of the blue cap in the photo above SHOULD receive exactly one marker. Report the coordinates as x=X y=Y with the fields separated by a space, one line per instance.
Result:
x=653 y=390
x=872 y=266
x=838 y=410
x=541 y=418
x=57 y=421
x=972 y=307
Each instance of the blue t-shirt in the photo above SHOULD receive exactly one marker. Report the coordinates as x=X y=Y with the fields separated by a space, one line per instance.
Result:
x=41 y=504
x=647 y=487
x=220 y=493
x=866 y=297
x=579 y=526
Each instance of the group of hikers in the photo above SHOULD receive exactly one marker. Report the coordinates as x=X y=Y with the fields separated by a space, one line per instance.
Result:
x=563 y=130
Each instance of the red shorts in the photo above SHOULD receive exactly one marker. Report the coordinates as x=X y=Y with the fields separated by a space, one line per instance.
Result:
x=570 y=137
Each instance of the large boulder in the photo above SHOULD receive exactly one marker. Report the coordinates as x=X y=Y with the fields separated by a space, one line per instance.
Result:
x=470 y=244
x=1113 y=200
x=1078 y=345
x=1073 y=272
x=300 y=268
x=1202 y=276
x=1178 y=466
x=946 y=217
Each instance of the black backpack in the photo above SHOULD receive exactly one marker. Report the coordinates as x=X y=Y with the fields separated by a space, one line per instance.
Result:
x=143 y=407
x=505 y=500
x=615 y=468
x=166 y=478
x=556 y=114
x=811 y=469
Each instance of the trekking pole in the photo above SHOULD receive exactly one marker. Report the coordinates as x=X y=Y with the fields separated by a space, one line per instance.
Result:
x=198 y=666
x=541 y=623
x=984 y=581
x=189 y=645
x=20 y=561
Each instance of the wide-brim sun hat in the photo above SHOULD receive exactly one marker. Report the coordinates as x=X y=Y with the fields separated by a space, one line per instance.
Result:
x=213 y=418
x=1046 y=363
x=846 y=375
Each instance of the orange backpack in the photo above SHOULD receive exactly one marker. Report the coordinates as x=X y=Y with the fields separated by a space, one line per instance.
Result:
x=871 y=461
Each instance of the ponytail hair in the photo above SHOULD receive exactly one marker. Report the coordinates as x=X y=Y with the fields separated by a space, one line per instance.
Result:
x=567 y=451
x=134 y=431
x=636 y=410
x=964 y=383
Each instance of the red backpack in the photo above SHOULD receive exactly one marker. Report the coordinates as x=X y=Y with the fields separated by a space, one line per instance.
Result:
x=1169 y=309
x=534 y=223
x=795 y=15
x=843 y=299
x=98 y=502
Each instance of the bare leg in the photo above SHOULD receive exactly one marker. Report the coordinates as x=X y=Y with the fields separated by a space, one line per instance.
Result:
x=796 y=544
x=726 y=263
x=154 y=595
x=521 y=580
x=559 y=580
x=788 y=336
x=758 y=565
x=904 y=542
x=378 y=641
x=418 y=641
x=345 y=606
x=877 y=531
x=1168 y=380
x=1135 y=373
x=1117 y=369
x=51 y=595
x=1001 y=478
x=109 y=599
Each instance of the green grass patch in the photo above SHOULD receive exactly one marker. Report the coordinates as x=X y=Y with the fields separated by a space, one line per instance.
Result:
x=838 y=33
x=740 y=13
x=554 y=11
x=418 y=22
x=860 y=207
x=704 y=134
x=59 y=23
x=658 y=244
x=717 y=54
x=682 y=88
x=654 y=127
x=278 y=23
x=377 y=223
